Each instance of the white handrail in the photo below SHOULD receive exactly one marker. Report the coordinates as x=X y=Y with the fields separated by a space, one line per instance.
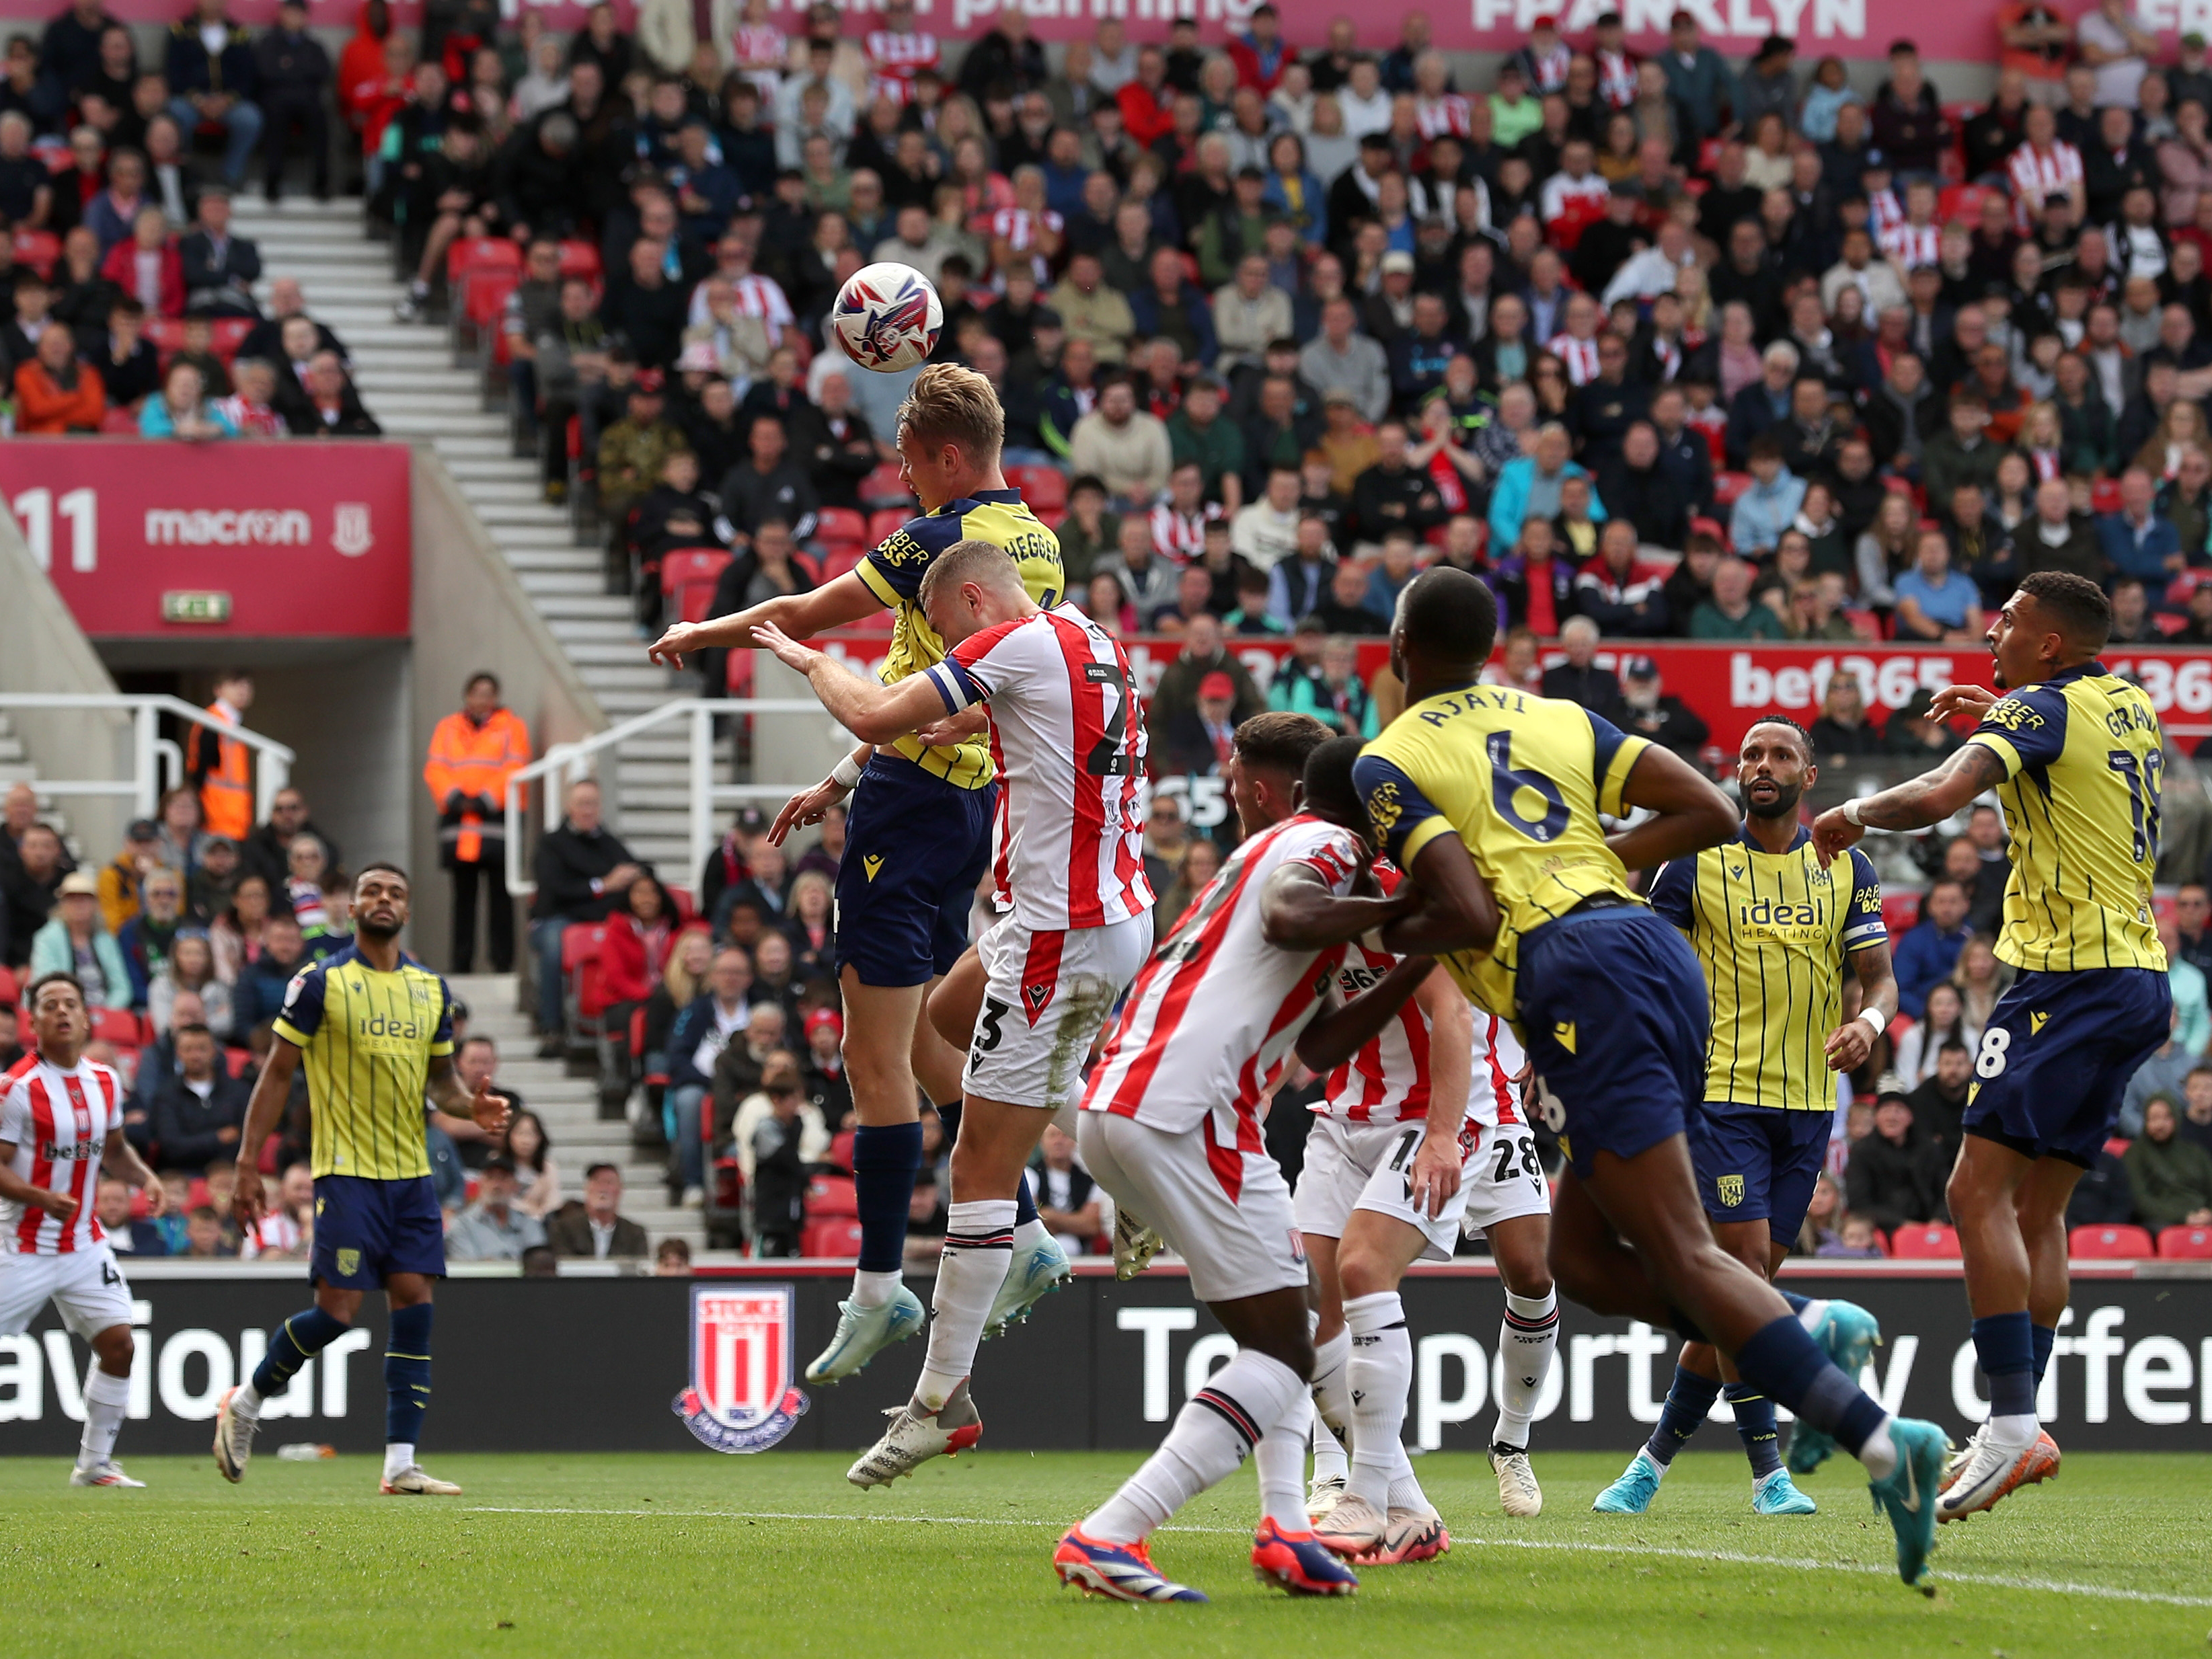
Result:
x=154 y=757
x=571 y=761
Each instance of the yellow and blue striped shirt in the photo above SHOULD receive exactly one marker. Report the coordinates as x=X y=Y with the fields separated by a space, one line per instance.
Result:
x=368 y=1038
x=2083 y=758
x=1521 y=779
x=1774 y=932
x=893 y=573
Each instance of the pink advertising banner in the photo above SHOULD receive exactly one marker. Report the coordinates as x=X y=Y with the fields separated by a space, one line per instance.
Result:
x=1846 y=28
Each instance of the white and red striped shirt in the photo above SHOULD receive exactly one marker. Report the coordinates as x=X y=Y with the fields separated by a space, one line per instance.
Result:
x=58 y=1123
x=2036 y=174
x=896 y=59
x=1446 y=113
x=1616 y=78
x=1067 y=735
x=1579 y=356
x=1913 y=246
x=1883 y=210
x=1388 y=1081
x=1181 y=536
x=1210 y=1024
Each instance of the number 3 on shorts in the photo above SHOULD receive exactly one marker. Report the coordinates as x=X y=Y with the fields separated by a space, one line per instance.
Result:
x=1991 y=1059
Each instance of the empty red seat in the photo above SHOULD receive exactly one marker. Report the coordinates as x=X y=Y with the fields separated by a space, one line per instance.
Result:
x=1727 y=486
x=1932 y=1242
x=1044 y=487
x=2186 y=1244
x=230 y=333
x=885 y=487
x=581 y=942
x=236 y=1061
x=485 y=296
x=838 y=1238
x=738 y=679
x=474 y=253
x=842 y=525
x=580 y=258
x=689 y=578
x=2109 y=1244
x=886 y=523
x=39 y=249
x=8 y=988
x=118 y=423
x=117 y=1025
x=828 y=1197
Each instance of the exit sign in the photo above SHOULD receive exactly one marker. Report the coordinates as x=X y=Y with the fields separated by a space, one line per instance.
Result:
x=206 y=609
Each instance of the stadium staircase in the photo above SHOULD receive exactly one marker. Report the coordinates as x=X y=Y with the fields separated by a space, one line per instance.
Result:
x=410 y=383
x=16 y=766
x=570 y=1107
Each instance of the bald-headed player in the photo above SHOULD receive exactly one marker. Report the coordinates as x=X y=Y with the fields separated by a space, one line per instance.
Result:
x=2075 y=755
x=917 y=843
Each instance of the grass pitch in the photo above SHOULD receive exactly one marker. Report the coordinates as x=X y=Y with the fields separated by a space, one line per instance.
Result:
x=684 y=1554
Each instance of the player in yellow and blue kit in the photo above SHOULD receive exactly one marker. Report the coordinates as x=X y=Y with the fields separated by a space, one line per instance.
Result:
x=374 y=1029
x=1774 y=930
x=1490 y=798
x=916 y=844
x=2076 y=757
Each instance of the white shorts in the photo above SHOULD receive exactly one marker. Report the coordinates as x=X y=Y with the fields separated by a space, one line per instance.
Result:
x=1046 y=997
x=1362 y=1166
x=1227 y=1214
x=86 y=1286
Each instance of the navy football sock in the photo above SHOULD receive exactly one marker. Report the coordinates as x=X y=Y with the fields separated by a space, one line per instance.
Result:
x=2005 y=1344
x=291 y=1345
x=1783 y=1363
x=407 y=1374
x=1755 y=1428
x=886 y=1159
x=1024 y=1203
x=2043 y=1336
x=1688 y=1400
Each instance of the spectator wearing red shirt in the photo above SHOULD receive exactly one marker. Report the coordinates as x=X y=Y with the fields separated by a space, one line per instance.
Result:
x=1260 y=55
x=146 y=264
x=54 y=392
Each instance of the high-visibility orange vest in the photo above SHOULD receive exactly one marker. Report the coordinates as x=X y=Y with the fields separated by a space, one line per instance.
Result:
x=475 y=760
x=226 y=785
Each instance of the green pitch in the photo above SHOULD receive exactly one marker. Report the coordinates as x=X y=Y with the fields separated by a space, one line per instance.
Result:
x=675 y=1555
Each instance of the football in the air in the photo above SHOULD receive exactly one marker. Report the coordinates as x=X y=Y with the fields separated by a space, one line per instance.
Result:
x=888 y=316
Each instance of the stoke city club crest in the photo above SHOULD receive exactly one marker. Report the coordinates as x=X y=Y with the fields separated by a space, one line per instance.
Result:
x=741 y=1397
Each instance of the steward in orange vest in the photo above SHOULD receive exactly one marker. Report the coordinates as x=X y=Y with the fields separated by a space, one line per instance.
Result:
x=221 y=767
x=473 y=755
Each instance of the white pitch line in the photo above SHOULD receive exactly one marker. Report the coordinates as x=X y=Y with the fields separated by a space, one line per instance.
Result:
x=1733 y=1558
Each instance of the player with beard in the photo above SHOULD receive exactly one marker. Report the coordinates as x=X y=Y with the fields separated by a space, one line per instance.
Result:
x=1773 y=929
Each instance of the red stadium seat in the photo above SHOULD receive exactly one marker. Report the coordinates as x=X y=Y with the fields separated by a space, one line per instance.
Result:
x=737 y=680
x=2109 y=1244
x=475 y=253
x=836 y=1238
x=230 y=333
x=885 y=524
x=1727 y=486
x=2104 y=495
x=829 y=1197
x=39 y=249
x=119 y=423
x=885 y=487
x=1960 y=202
x=236 y=1061
x=485 y=296
x=1932 y=1243
x=117 y=1025
x=1044 y=487
x=689 y=578
x=842 y=526
x=8 y=987
x=580 y=258
x=581 y=942
x=2186 y=1244
x=841 y=1149
x=167 y=335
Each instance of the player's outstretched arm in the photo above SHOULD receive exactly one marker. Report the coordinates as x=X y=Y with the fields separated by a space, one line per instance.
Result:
x=248 y=1203
x=16 y=1190
x=486 y=1110
x=1850 y=1043
x=1913 y=804
x=120 y=1159
x=870 y=712
x=1330 y=1041
x=1691 y=813
x=1298 y=911
x=801 y=616
x=1454 y=909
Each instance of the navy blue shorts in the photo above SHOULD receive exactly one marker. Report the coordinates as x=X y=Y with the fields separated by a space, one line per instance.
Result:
x=366 y=1231
x=2056 y=1056
x=914 y=848
x=1758 y=1162
x=1615 y=1015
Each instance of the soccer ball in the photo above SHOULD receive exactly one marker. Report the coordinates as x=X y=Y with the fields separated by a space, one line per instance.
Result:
x=888 y=316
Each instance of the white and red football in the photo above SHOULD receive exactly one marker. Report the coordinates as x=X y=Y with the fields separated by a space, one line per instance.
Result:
x=888 y=316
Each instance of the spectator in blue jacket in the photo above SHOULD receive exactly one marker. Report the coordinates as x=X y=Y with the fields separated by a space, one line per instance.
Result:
x=1931 y=951
x=1529 y=486
x=1168 y=305
x=1763 y=405
x=1697 y=78
x=259 y=993
x=702 y=1030
x=1763 y=512
x=2138 y=542
x=212 y=78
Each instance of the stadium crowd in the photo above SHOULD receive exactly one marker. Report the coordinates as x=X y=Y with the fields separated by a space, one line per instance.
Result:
x=1660 y=347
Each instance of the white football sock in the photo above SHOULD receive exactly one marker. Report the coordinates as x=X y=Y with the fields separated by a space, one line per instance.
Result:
x=106 y=1399
x=1406 y=1492
x=1281 y=1460
x=1210 y=1436
x=246 y=1403
x=1332 y=1390
x=1879 y=1455
x=1029 y=1233
x=874 y=1290
x=399 y=1458
x=1380 y=1373
x=1330 y=1461
x=977 y=1253
x=1527 y=1339
x=1811 y=1315
x=2014 y=1434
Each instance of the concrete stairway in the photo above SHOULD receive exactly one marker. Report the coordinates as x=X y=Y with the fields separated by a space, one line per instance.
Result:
x=17 y=766
x=408 y=379
x=570 y=1107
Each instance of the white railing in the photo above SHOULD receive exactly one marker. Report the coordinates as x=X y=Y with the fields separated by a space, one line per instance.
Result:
x=157 y=764
x=564 y=763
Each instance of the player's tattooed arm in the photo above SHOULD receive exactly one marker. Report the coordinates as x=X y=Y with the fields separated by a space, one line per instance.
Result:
x=870 y=712
x=1299 y=912
x=482 y=1106
x=1453 y=908
x=271 y=1091
x=801 y=616
x=1330 y=1041
x=1690 y=814
x=1914 y=804
x=1850 y=1043
x=16 y=1190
